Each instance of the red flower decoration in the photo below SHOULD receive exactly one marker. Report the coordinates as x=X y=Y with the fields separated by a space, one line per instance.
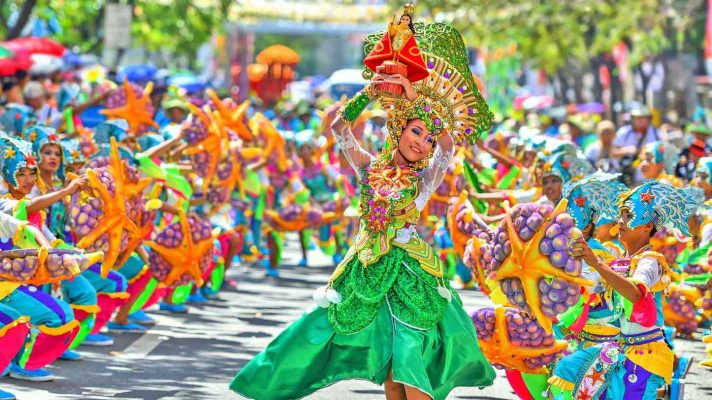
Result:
x=646 y=197
x=31 y=161
x=580 y=201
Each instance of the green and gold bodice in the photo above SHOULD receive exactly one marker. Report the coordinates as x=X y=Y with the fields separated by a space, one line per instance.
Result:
x=389 y=216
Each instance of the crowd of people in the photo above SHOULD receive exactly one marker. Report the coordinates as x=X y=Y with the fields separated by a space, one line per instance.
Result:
x=590 y=236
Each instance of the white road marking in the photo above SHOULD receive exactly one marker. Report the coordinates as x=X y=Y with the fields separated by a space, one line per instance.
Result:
x=142 y=347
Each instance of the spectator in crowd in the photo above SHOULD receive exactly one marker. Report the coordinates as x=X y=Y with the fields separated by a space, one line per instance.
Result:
x=36 y=97
x=600 y=153
x=630 y=139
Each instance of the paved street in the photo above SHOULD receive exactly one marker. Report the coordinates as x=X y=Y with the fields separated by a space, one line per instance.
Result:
x=194 y=356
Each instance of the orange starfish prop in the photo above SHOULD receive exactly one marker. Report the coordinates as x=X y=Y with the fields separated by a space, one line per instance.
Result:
x=186 y=257
x=135 y=111
x=459 y=238
x=500 y=350
x=527 y=264
x=115 y=219
x=246 y=153
x=275 y=142
x=212 y=144
x=235 y=120
x=300 y=223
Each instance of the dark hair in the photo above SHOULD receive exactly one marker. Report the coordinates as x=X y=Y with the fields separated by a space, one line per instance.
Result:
x=8 y=83
x=410 y=24
x=21 y=74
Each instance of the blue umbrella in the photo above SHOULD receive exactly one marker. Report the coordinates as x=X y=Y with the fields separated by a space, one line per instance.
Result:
x=72 y=59
x=137 y=73
x=188 y=81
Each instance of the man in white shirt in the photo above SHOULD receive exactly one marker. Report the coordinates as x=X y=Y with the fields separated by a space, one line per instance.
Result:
x=36 y=97
x=630 y=139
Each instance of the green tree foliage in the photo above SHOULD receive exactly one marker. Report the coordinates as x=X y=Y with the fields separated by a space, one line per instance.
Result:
x=177 y=26
x=552 y=33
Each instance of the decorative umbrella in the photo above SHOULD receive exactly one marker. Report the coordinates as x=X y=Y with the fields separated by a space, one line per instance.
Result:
x=141 y=73
x=10 y=62
x=591 y=108
x=35 y=45
x=278 y=54
x=5 y=52
x=187 y=81
x=43 y=64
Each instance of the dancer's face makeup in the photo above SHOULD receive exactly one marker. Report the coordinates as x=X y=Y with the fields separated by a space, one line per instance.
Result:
x=415 y=142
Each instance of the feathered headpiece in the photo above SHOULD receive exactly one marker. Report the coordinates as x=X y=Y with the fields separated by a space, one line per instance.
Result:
x=593 y=198
x=15 y=118
x=662 y=204
x=72 y=151
x=116 y=128
x=664 y=153
x=409 y=9
x=449 y=90
x=567 y=166
x=41 y=136
x=704 y=167
x=15 y=154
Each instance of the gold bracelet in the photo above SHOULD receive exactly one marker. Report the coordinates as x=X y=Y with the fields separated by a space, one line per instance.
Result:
x=369 y=92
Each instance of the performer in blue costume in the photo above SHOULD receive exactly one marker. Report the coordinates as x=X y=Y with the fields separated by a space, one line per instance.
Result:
x=639 y=362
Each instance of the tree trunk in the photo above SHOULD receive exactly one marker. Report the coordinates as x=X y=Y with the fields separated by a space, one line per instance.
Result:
x=596 y=65
x=22 y=20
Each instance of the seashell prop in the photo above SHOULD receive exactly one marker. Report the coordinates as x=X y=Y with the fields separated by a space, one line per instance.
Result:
x=182 y=251
x=529 y=259
x=512 y=339
x=40 y=266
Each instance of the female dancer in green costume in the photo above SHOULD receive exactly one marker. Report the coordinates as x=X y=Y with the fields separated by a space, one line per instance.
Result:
x=388 y=315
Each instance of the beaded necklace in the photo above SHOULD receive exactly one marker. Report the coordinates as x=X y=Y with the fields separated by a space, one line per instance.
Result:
x=385 y=186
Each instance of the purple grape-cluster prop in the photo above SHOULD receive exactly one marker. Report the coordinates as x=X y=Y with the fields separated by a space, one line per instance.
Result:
x=23 y=265
x=217 y=195
x=547 y=272
x=291 y=212
x=194 y=130
x=172 y=237
x=525 y=346
x=201 y=163
x=680 y=310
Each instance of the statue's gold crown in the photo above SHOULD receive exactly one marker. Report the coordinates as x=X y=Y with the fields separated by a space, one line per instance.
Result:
x=409 y=9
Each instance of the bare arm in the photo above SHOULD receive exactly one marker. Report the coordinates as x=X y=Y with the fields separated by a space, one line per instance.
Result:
x=508 y=161
x=42 y=202
x=356 y=155
x=160 y=149
x=620 y=284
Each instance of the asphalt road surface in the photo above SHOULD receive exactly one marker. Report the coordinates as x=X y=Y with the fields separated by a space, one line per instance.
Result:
x=195 y=355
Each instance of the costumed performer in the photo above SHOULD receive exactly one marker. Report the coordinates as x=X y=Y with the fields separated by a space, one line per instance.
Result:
x=640 y=361
x=391 y=283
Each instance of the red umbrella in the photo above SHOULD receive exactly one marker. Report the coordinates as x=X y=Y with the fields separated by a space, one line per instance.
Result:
x=35 y=45
x=18 y=61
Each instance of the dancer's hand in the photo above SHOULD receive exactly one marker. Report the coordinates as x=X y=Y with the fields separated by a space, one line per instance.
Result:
x=397 y=79
x=338 y=125
x=580 y=250
x=77 y=184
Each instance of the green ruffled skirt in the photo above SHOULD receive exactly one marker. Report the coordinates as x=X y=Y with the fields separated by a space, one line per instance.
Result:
x=391 y=319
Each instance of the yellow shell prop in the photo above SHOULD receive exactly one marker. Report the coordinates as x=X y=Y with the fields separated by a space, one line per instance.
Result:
x=181 y=250
x=510 y=339
x=135 y=111
x=114 y=222
x=679 y=308
x=41 y=266
x=525 y=272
